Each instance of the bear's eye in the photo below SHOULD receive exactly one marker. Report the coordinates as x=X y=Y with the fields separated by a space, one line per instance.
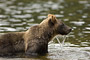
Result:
x=62 y=26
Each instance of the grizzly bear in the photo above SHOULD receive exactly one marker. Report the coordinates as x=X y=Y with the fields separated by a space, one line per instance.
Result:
x=35 y=40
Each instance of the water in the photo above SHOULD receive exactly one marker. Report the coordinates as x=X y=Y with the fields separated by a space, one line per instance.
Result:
x=63 y=38
x=19 y=15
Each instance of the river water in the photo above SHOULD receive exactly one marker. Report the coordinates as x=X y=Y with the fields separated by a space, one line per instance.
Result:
x=19 y=15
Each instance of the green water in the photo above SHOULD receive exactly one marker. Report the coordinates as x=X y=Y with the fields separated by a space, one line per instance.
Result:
x=19 y=15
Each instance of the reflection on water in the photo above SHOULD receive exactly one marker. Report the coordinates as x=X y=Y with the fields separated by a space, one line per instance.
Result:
x=19 y=15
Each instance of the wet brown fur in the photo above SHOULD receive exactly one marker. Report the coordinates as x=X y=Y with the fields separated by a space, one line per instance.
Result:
x=34 y=40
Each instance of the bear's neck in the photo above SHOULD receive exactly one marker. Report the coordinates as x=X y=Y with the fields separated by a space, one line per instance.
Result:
x=41 y=33
x=46 y=34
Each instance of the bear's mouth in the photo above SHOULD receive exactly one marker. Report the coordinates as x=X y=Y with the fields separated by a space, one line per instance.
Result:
x=66 y=33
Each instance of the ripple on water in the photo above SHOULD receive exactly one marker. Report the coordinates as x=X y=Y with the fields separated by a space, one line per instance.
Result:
x=66 y=19
x=78 y=23
x=58 y=15
x=4 y=23
x=31 y=24
x=69 y=53
x=85 y=43
x=13 y=12
x=84 y=16
x=15 y=20
x=20 y=28
x=87 y=28
x=30 y=20
x=83 y=2
x=3 y=16
x=28 y=11
x=9 y=2
x=55 y=6
x=61 y=12
x=8 y=29
x=80 y=11
x=41 y=17
x=1 y=30
x=72 y=14
x=87 y=5
x=88 y=32
x=23 y=16
x=17 y=25
x=2 y=5
x=37 y=10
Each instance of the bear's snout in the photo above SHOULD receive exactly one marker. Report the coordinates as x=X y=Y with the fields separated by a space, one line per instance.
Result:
x=63 y=29
x=66 y=30
x=70 y=30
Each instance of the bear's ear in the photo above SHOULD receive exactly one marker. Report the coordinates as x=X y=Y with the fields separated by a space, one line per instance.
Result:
x=52 y=19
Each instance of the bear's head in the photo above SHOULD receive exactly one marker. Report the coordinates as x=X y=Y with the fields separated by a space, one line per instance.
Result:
x=56 y=25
